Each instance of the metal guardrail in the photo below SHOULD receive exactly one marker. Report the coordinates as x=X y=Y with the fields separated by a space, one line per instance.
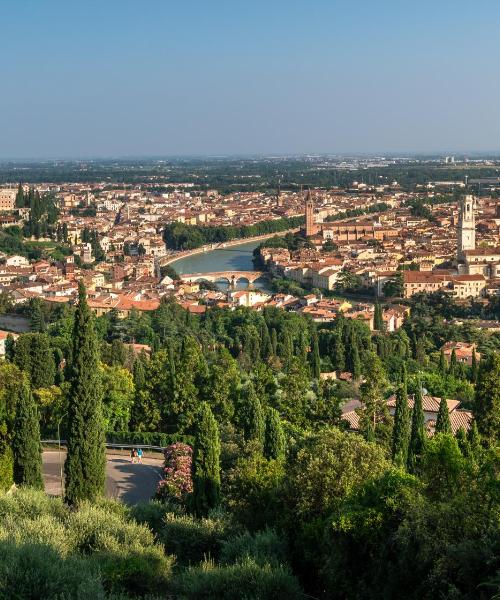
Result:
x=110 y=445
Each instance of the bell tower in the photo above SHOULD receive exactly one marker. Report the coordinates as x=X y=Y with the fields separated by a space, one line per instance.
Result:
x=311 y=228
x=466 y=232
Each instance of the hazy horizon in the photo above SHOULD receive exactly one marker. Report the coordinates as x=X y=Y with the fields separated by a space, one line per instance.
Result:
x=128 y=80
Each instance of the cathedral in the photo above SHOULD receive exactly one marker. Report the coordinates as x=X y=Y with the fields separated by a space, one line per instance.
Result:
x=471 y=260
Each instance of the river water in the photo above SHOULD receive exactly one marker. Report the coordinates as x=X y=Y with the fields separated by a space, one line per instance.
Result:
x=235 y=258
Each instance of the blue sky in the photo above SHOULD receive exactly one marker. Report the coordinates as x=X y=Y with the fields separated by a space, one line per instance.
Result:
x=158 y=77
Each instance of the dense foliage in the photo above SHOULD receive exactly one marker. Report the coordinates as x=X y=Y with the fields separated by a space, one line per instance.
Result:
x=179 y=236
x=265 y=493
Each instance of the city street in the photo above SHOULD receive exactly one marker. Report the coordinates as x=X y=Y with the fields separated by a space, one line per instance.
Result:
x=131 y=483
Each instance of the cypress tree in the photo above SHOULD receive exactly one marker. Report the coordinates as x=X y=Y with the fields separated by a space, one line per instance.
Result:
x=22 y=353
x=369 y=432
x=285 y=348
x=420 y=355
x=10 y=347
x=404 y=376
x=251 y=414
x=43 y=368
x=463 y=442
x=487 y=399
x=26 y=446
x=378 y=321
x=355 y=362
x=442 y=363
x=474 y=439
x=274 y=437
x=417 y=436
x=315 y=359
x=86 y=460
x=474 y=369
x=20 y=197
x=139 y=374
x=36 y=315
x=401 y=430
x=266 y=346
x=274 y=341
x=338 y=354
x=443 y=424
x=206 y=462
x=453 y=363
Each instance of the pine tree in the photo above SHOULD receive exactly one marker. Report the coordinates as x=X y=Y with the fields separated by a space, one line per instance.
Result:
x=401 y=430
x=442 y=363
x=443 y=424
x=378 y=321
x=86 y=460
x=26 y=446
x=274 y=437
x=417 y=436
x=487 y=400
x=206 y=463
x=315 y=359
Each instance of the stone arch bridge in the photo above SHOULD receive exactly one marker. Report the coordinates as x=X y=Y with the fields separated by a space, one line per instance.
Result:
x=232 y=277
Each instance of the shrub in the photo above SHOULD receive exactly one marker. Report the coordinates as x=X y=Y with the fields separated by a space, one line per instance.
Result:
x=126 y=552
x=100 y=539
x=151 y=513
x=6 y=470
x=253 y=491
x=192 y=539
x=246 y=580
x=33 y=570
x=29 y=504
x=264 y=547
x=177 y=482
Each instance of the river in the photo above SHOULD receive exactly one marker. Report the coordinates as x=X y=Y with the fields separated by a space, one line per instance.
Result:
x=234 y=258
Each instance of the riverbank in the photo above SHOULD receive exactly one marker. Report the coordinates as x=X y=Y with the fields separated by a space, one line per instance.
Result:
x=168 y=260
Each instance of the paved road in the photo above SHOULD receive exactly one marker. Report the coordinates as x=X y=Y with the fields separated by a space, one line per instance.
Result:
x=130 y=483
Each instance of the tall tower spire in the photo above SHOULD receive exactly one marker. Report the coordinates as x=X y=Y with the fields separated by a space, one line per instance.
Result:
x=466 y=232
x=309 y=210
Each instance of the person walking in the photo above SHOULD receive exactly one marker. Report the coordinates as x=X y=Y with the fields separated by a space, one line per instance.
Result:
x=133 y=456
x=139 y=455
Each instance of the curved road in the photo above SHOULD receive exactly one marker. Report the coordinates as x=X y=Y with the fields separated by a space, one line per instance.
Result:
x=130 y=483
